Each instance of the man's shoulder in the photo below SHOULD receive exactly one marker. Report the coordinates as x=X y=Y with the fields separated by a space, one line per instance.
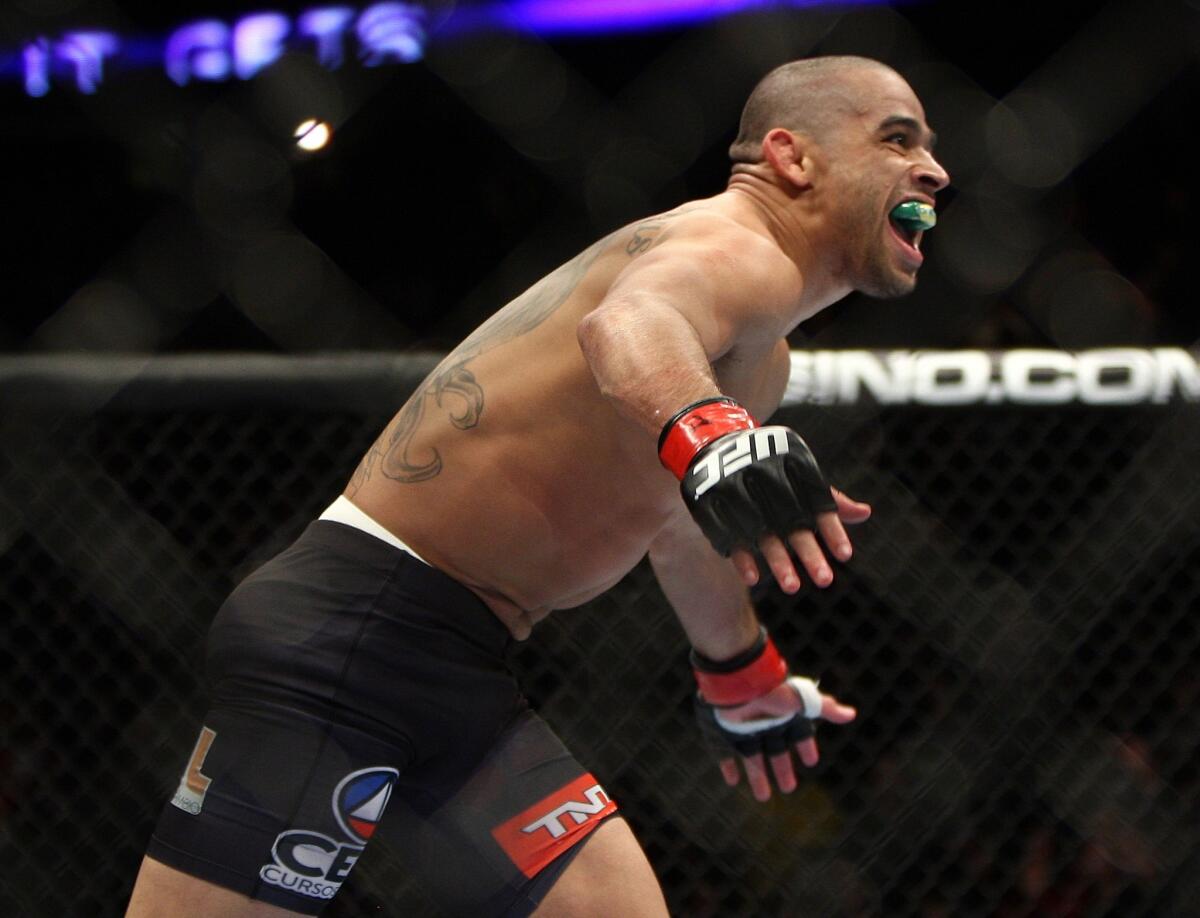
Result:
x=747 y=247
x=717 y=236
x=714 y=219
x=712 y=248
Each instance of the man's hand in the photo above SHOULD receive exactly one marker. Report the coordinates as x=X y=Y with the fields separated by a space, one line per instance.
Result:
x=771 y=728
x=750 y=703
x=804 y=543
x=753 y=488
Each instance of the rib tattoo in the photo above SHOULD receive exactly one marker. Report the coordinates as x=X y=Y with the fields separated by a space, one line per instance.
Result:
x=453 y=387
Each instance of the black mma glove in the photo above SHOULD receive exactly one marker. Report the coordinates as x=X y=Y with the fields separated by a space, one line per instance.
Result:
x=737 y=682
x=741 y=481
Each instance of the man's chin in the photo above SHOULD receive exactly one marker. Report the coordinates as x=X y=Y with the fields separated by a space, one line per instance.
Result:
x=890 y=287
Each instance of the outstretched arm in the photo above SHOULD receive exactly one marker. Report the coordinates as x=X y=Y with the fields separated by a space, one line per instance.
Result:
x=705 y=591
x=716 y=613
x=651 y=344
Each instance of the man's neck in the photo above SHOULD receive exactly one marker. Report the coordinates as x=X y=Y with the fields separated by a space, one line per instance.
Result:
x=782 y=217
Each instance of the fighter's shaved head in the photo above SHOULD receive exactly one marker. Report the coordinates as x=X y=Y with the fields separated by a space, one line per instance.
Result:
x=803 y=96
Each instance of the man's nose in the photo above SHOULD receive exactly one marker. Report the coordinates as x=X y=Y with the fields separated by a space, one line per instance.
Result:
x=931 y=174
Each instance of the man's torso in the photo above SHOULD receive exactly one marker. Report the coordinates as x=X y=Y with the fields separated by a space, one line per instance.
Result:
x=509 y=470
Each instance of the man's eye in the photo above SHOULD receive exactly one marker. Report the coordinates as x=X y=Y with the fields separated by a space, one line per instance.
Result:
x=900 y=138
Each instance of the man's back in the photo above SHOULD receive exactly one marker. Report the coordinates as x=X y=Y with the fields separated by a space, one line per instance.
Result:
x=511 y=471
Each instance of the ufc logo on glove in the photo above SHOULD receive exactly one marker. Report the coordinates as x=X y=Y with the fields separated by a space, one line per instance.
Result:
x=761 y=479
x=745 y=448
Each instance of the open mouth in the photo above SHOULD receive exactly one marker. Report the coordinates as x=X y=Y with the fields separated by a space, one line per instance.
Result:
x=908 y=235
x=910 y=241
x=909 y=220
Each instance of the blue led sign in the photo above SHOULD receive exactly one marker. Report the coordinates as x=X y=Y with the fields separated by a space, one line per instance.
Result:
x=212 y=49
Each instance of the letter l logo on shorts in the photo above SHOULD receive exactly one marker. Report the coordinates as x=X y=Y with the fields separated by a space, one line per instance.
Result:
x=189 y=796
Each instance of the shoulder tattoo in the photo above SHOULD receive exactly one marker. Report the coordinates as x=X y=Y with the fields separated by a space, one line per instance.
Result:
x=454 y=389
x=644 y=238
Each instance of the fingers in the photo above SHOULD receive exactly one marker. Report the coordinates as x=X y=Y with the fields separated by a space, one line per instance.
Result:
x=807 y=750
x=834 y=535
x=812 y=559
x=729 y=771
x=808 y=552
x=745 y=565
x=806 y=547
x=779 y=562
x=785 y=774
x=850 y=510
x=835 y=712
x=756 y=777
x=782 y=770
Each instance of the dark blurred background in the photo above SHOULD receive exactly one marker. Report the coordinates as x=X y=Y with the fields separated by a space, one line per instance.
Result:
x=153 y=217
x=1018 y=627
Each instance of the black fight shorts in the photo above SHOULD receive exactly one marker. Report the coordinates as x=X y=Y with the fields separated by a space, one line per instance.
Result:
x=358 y=692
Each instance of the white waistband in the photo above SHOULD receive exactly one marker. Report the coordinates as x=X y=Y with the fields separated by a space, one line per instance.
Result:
x=347 y=513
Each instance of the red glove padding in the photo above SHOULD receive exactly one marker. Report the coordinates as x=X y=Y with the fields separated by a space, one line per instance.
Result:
x=695 y=427
x=749 y=675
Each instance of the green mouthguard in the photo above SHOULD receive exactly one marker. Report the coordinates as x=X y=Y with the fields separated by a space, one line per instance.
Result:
x=915 y=215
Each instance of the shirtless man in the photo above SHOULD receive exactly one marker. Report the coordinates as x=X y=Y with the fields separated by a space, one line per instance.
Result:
x=364 y=666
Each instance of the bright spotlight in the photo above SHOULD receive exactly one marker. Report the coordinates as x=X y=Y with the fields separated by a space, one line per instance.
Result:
x=312 y=134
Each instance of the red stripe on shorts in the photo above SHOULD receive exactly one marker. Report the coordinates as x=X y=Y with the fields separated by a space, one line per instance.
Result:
x=536 y=836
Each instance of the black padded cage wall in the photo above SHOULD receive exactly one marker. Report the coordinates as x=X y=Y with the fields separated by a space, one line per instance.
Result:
x=1019 y=628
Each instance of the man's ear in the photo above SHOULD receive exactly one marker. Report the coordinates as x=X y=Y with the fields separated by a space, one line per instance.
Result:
x=789 y=155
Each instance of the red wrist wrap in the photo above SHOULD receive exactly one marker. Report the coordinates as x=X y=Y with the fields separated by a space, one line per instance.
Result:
x=695 y=427
x=751 y=681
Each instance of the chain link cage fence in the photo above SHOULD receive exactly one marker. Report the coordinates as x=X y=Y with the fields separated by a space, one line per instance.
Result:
x=1018 y=629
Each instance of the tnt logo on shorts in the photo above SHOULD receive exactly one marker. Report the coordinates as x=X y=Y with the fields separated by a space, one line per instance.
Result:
x=535 y=837
x=313 y=864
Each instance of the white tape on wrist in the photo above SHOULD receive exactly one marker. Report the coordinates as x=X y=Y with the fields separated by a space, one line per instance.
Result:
x=809 y=694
